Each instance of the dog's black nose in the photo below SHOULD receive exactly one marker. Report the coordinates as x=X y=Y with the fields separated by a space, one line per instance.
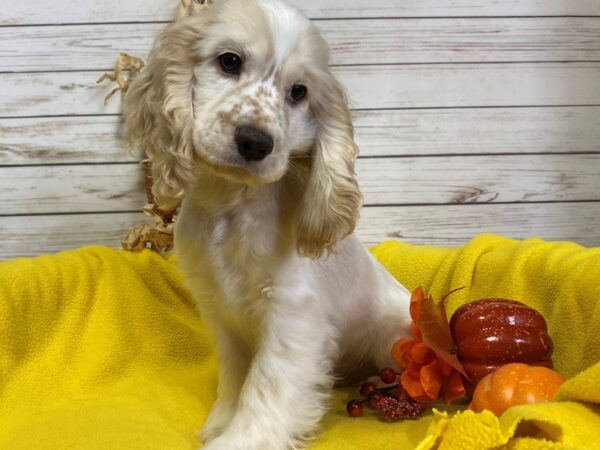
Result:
x=253 y=144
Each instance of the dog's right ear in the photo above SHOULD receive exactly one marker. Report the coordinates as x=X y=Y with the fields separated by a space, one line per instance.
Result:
x=191 y=7
x=158 y=110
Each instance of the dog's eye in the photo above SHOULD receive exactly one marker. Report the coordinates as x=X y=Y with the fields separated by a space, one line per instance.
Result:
x=297 y=93
x=230 y=63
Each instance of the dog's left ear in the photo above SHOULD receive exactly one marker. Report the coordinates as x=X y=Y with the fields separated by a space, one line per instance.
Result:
x=191 y=7
x=331 y=202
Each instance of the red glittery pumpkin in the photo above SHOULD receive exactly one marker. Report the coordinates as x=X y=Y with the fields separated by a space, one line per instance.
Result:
x=490 y=333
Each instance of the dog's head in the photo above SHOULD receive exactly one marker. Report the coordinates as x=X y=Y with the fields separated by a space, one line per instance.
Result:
x=242 y=88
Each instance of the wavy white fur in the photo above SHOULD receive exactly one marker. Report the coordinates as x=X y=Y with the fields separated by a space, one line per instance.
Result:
x=294 y=300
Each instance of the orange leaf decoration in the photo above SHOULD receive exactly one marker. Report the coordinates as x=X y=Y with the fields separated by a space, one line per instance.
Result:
x=430 y=368
x=435 y=330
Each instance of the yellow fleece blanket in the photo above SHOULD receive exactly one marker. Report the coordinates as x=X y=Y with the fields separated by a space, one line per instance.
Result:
x=101 y=349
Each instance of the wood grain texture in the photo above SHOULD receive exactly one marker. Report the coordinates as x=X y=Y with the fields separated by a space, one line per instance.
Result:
x=443 y=225
x=99 y=139
x=87 y=11
x=369 y=87
x=450 y=225
x=461 y=85
x=65 y=189
x=447 y=98
x=383 y=41
x=479 y=179
x=63 y=140
x=384 y=181
x=478 y=130
x=35 y=235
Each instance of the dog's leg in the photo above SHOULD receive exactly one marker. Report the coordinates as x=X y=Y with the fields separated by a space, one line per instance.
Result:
x=289 y=382
x=233 y=369
x=393 y=324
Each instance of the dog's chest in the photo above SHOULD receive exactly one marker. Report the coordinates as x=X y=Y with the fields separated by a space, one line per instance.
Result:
x=236 y=252
x=242 y=252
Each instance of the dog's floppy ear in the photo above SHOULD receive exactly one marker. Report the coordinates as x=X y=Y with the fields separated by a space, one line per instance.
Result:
x=158 y=111
x=331 y=202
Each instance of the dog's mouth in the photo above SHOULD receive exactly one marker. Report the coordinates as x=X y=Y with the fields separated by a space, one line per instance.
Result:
x=234 y=173
x=249 y=173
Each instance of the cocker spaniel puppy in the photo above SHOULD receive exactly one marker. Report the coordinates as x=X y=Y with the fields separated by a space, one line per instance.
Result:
x=243 y=121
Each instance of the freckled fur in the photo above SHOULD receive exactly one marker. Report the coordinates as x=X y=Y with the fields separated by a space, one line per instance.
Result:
x=293 y=299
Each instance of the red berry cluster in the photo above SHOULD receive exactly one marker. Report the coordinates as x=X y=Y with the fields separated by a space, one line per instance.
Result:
x=391 y=407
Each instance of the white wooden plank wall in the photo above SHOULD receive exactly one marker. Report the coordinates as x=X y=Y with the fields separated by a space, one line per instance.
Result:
x=472 y=116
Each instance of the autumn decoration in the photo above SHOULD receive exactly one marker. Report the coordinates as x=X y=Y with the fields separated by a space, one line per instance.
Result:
x=490 y=333
x=515 y=384
x=431 y=370
x=496 y=350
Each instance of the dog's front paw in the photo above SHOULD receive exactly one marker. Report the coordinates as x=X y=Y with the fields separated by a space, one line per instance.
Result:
x=243 y=441
x=209 y=433
x=218 y=419
x=223 y=443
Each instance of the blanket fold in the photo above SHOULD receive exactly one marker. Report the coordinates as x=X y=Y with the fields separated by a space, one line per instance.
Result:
x=103 y=349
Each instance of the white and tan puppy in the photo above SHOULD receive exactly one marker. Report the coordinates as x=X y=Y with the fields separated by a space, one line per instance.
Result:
x=243 y=120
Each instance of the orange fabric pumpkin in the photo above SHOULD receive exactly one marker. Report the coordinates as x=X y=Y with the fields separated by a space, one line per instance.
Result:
x=515 y=384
